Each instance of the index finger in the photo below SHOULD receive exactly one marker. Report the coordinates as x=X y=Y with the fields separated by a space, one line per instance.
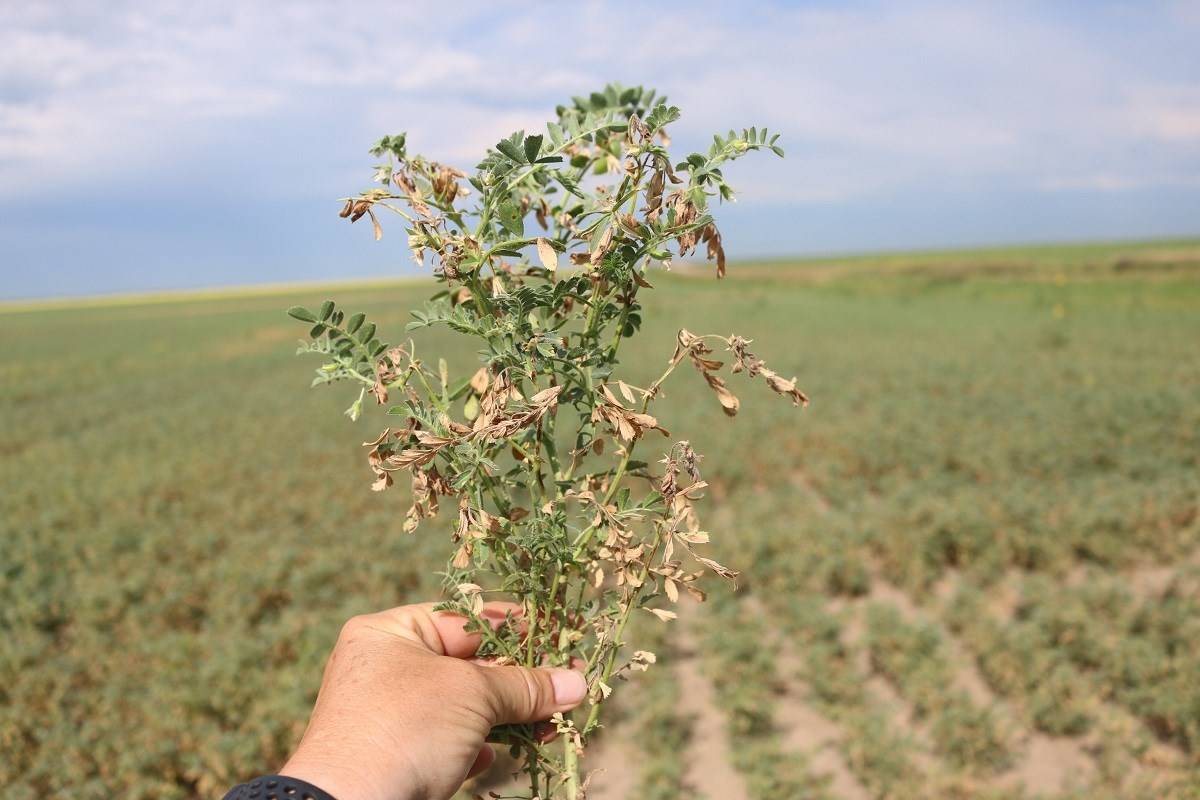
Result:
x=456 y=641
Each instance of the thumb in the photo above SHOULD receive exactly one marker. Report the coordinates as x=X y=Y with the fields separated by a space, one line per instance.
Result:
x=522 y=694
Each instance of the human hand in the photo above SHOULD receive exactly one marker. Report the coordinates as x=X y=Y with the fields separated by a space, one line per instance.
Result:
x=404 y=707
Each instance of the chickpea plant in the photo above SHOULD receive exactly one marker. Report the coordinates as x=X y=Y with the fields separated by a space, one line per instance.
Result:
x=541 y=257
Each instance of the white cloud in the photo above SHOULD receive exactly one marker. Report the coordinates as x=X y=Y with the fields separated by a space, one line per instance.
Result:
x=869 y=100
x=1168 y=113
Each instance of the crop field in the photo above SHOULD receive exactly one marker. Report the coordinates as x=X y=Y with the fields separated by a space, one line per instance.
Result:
x=970 y=569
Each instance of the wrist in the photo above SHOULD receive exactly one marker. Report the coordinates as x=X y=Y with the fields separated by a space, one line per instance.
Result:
x=344 y=780
x=275 y=786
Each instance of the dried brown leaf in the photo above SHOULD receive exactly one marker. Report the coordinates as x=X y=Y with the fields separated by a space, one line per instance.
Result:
x=729 y=402
x=625 y=392
x=547 y=254
x=480 y=380
x=723 y=571
x=671 y=589
x=602 y=247
x=662 y=613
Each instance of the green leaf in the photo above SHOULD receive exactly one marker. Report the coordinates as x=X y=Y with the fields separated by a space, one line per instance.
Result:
x=366 y=333
x=661 y=115
x=777 y=150
x=569 y=184
x=533 y=146
x=459 y=389
x=326 y=310
x=510 y=218
x=509 y=149
x=301 y=313
x=317 y=330
x=355 y=322
x=471 y=408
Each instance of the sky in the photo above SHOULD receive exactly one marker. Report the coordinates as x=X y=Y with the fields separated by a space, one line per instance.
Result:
x=161 y=145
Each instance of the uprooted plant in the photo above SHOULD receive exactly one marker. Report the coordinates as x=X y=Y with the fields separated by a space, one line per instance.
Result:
x=537 y=447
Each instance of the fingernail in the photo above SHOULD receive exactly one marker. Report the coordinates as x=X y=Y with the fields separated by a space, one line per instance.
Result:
x=569 y=686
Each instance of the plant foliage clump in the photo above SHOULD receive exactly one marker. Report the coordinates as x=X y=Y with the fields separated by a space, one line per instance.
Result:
x=541 y=255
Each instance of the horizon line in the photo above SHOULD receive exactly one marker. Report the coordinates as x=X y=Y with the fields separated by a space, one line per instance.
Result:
x=190 y=294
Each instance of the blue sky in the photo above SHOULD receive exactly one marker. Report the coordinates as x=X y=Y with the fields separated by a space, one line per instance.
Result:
x=167 y=145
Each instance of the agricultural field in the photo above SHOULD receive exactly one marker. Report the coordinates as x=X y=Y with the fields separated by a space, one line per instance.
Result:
x=970 y=569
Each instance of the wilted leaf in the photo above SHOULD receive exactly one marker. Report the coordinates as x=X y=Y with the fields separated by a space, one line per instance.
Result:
x=723 y=571
x=671 y=589
x=729 y=402
x=625 y=391
x=642 y=659
x=784 y=387
x=375 y=224
x=602 y=246
x=663 y=614
x=479 y=381
x=547 y=254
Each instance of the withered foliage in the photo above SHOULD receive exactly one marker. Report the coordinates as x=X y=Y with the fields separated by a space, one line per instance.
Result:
x=535 y=446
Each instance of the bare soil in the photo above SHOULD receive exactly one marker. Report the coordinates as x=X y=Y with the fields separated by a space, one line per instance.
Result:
x=709 y=747
x=806 y=730
x=613 y=767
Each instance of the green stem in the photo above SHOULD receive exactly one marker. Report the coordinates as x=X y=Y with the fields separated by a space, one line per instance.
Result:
x=571 y=767
x=531 y=760
x=436 y=397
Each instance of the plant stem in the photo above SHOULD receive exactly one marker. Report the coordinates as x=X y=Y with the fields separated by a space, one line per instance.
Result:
x=531 y=759
x=571 y=767
x=620 y=630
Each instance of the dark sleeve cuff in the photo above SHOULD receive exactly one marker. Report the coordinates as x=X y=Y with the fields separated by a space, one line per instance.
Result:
x=277 y=787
